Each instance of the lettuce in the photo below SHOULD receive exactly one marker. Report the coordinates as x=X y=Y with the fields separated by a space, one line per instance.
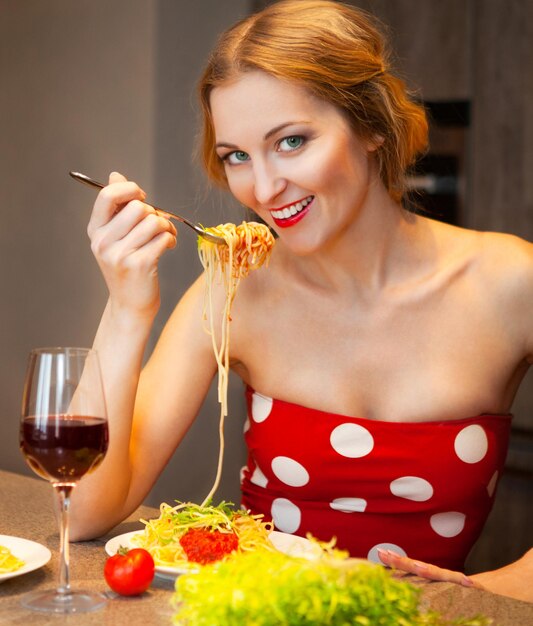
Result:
x=263 y=588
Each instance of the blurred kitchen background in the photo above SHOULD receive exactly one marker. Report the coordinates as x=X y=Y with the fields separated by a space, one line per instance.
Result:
x=101 y=85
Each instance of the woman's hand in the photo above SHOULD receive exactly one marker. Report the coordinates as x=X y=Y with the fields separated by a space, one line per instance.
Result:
x=127 y=238
x=513 y=580
x=424 y=570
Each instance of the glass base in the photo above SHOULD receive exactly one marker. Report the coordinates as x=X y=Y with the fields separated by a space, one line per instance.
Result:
x=53 y=601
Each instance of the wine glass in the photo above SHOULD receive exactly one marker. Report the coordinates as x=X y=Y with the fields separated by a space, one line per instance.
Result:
x=63 y=436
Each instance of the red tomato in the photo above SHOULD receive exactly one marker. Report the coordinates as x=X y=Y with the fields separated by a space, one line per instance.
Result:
x=129 y=572
x=205 y=546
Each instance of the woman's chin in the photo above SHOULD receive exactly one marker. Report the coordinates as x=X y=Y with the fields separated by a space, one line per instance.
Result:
x=300 y=246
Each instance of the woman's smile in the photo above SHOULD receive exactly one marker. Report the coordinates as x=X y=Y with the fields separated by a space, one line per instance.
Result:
x=291 y=213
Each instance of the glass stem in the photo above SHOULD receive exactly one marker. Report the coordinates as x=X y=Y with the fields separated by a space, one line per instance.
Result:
x=63 y=492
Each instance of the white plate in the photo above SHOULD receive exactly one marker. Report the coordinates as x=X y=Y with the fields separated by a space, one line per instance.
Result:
x=34 y=554
x=288 y=544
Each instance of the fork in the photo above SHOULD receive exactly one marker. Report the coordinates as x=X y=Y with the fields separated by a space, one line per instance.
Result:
x=82 y=178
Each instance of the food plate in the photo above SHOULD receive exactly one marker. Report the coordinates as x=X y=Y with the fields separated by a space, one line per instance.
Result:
x=34 y=555
x=288 y=544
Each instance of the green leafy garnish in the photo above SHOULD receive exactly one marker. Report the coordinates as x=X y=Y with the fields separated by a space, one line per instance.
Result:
x=162 y=536
x=178 y=519
x=273 y=589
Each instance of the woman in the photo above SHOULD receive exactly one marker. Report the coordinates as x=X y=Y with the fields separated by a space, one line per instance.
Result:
x=392 y=345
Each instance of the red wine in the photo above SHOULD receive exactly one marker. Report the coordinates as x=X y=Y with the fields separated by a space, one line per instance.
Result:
x=63 y=448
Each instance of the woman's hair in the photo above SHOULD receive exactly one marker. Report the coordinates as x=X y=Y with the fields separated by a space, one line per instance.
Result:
x=338 y=53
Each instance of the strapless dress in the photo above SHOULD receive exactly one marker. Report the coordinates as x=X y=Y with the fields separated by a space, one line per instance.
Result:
x=422 y=489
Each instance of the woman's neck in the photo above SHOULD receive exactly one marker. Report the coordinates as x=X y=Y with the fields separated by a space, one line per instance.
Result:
x=381 y=248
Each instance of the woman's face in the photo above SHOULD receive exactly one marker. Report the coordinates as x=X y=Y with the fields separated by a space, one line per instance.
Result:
x=292 y=158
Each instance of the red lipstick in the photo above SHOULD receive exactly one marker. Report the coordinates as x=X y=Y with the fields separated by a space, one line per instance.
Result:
x=286 y=222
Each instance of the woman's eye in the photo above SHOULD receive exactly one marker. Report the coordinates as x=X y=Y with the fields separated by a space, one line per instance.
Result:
x=234 y=158
x=291 y=143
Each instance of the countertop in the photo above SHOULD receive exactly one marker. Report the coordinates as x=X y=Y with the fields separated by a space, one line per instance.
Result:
x=26 y=510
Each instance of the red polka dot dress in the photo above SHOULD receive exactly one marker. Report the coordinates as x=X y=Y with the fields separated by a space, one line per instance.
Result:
x=422 y=489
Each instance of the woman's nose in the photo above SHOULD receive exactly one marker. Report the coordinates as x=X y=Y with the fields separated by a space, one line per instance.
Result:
x=268 y=183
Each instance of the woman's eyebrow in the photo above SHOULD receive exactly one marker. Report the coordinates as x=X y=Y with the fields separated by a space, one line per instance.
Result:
x=276 y=129
x=223 y=144
x=272 y=131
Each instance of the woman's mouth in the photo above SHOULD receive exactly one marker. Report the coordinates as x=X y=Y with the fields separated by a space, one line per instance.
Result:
x=292 y=213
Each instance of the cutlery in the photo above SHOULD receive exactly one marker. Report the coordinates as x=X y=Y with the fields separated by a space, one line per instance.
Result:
x=82 y=178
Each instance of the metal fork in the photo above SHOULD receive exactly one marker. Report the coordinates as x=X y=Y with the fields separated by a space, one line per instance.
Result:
x=82 y=178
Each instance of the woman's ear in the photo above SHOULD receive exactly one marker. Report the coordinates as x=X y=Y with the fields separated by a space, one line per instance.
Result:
x=374 y=142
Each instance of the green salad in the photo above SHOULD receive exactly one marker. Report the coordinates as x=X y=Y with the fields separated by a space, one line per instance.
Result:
x=272 y=589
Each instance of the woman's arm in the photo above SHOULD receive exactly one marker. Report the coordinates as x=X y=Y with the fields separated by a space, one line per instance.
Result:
x=163 y=399
x=149 y=413
x=513 y=580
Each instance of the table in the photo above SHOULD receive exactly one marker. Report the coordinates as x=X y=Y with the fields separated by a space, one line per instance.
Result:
x=26 y=510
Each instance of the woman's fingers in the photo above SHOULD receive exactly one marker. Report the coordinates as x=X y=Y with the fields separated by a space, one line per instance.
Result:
x=149 y=227
x=156 y=246
x=120 y=215
x=116 y=177
x=112 y=199
x=144 y=231
x=133 y=239
x=424 y=570
x=129 y=219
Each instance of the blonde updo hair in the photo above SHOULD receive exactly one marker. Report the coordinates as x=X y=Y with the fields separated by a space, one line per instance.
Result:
x=338 y=53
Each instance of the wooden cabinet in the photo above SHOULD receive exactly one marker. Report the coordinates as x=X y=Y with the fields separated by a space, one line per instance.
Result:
x=430 y=43
x=480 y=51
x=501 y=198
x=502 y=130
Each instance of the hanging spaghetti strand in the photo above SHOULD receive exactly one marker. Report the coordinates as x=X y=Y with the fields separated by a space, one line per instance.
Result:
x=248 y=247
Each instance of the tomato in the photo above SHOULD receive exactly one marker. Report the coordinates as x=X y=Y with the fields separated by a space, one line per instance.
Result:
x=129 y=572
x=205 y=546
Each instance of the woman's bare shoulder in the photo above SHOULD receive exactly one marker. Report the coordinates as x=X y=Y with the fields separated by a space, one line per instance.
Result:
x=506 y=275
x=507 y=257
x=497 y=268
x=499 y=255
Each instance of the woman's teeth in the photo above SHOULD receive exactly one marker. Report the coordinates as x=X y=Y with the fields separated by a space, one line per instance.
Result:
x=291 y=210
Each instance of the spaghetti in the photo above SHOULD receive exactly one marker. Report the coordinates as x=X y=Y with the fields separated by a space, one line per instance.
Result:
x=8 y=561
x=163 y=537
x=248 y=247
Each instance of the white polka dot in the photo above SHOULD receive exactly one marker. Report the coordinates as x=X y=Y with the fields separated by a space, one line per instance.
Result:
x=471 y=444
x=261 y=407
x=285 y=515
x=242 y=473
x=258 y=478
x=412 y=488
x=246 y=426
x=348 y=505
x=373 y=553
x=351 y=440
x=448 y=524
x=492 y=484
x=290 y=471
